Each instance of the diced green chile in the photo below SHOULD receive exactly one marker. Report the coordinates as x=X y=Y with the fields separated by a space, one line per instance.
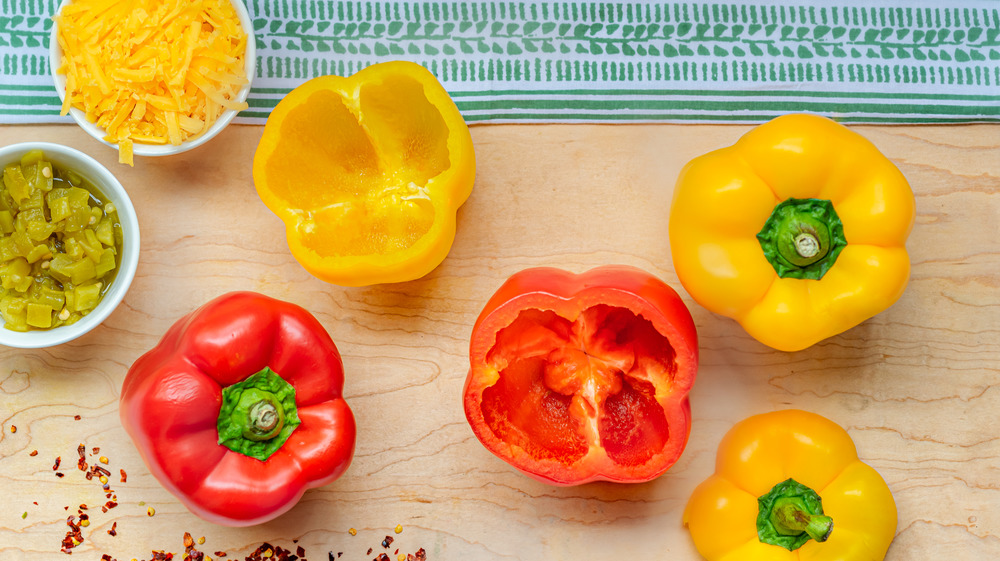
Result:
x=802 y=238
x=790 y=514
x=257 y=415
x=59 y=234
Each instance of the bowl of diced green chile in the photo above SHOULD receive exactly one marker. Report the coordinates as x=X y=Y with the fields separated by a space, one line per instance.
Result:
x=69 y=244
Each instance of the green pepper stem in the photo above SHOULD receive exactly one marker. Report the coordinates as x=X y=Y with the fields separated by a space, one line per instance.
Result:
x=264 y=419
x=791 y=514
x=790 y=518
x=257 y=415
x=802 y=238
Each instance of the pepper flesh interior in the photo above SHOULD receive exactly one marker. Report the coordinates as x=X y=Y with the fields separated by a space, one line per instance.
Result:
x=565 y=386
x=358 y=175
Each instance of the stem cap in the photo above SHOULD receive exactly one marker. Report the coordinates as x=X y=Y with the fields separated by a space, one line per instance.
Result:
x=257 y=415
x=791 y=514
x=802 y=238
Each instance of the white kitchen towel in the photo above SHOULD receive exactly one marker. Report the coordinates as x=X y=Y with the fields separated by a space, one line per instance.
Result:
x=607 y=62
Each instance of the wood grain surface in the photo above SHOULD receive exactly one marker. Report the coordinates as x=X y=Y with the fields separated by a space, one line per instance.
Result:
x=917 y=387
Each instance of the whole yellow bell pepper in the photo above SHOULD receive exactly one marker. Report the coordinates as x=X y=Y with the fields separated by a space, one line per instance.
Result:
x=367 y=172
x=797 y=231
x=789 y=486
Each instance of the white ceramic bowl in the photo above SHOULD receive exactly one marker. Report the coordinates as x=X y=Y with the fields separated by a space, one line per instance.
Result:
x=99 y=176
x=138 y=149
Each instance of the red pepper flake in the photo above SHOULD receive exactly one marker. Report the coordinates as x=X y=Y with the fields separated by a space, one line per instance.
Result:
x=83 y=507
x=114 y=529
x=82 y=462
x=60 y=474
x=73 y=536
x=76 y=417
x=124 y=476
x=387 y=542
x=369 y=551
x=96 y=471
x=33 y=453
x=265 y=548
x=55 y=466
x=382 y=557
x=268 y=552
x=190 y=553
x=95 y=450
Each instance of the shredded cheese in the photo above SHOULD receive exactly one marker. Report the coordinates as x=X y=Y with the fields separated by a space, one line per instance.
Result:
x=151 y=71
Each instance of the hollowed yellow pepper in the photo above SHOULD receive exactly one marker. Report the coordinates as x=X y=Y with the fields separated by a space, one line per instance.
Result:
x=789 y=486
x=367 y=172
x=797 y=231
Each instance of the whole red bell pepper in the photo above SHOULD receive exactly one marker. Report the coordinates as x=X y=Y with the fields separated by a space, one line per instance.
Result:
x=576 y=378
x=239 y=409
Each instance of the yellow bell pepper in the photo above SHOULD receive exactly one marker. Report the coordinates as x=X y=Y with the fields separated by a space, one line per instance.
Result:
x=797 y=231
x=367 y=172
x=789 y=486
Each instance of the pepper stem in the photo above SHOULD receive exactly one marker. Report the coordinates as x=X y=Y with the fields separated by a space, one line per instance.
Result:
x=791 y=519
x=806 y=245
x=257 y=415
x=264 y=419
x=791 y=514
x=802 y=238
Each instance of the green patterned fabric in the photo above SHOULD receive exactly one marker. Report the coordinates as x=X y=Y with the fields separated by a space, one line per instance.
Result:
x=877 y=62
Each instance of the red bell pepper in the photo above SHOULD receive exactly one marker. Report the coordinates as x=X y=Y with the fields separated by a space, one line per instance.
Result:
x=577 y=378
x=239 y=409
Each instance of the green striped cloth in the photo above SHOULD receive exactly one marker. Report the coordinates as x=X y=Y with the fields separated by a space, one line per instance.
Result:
x=875 y=61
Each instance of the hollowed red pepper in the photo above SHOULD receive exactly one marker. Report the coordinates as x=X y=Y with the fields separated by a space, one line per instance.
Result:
x=239 y=409
x=577 y=378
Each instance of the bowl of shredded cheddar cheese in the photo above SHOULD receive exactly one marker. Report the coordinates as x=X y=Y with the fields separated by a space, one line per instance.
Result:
x=152 y=77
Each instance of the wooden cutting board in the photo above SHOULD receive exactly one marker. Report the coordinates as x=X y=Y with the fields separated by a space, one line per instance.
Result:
x=917 y=387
